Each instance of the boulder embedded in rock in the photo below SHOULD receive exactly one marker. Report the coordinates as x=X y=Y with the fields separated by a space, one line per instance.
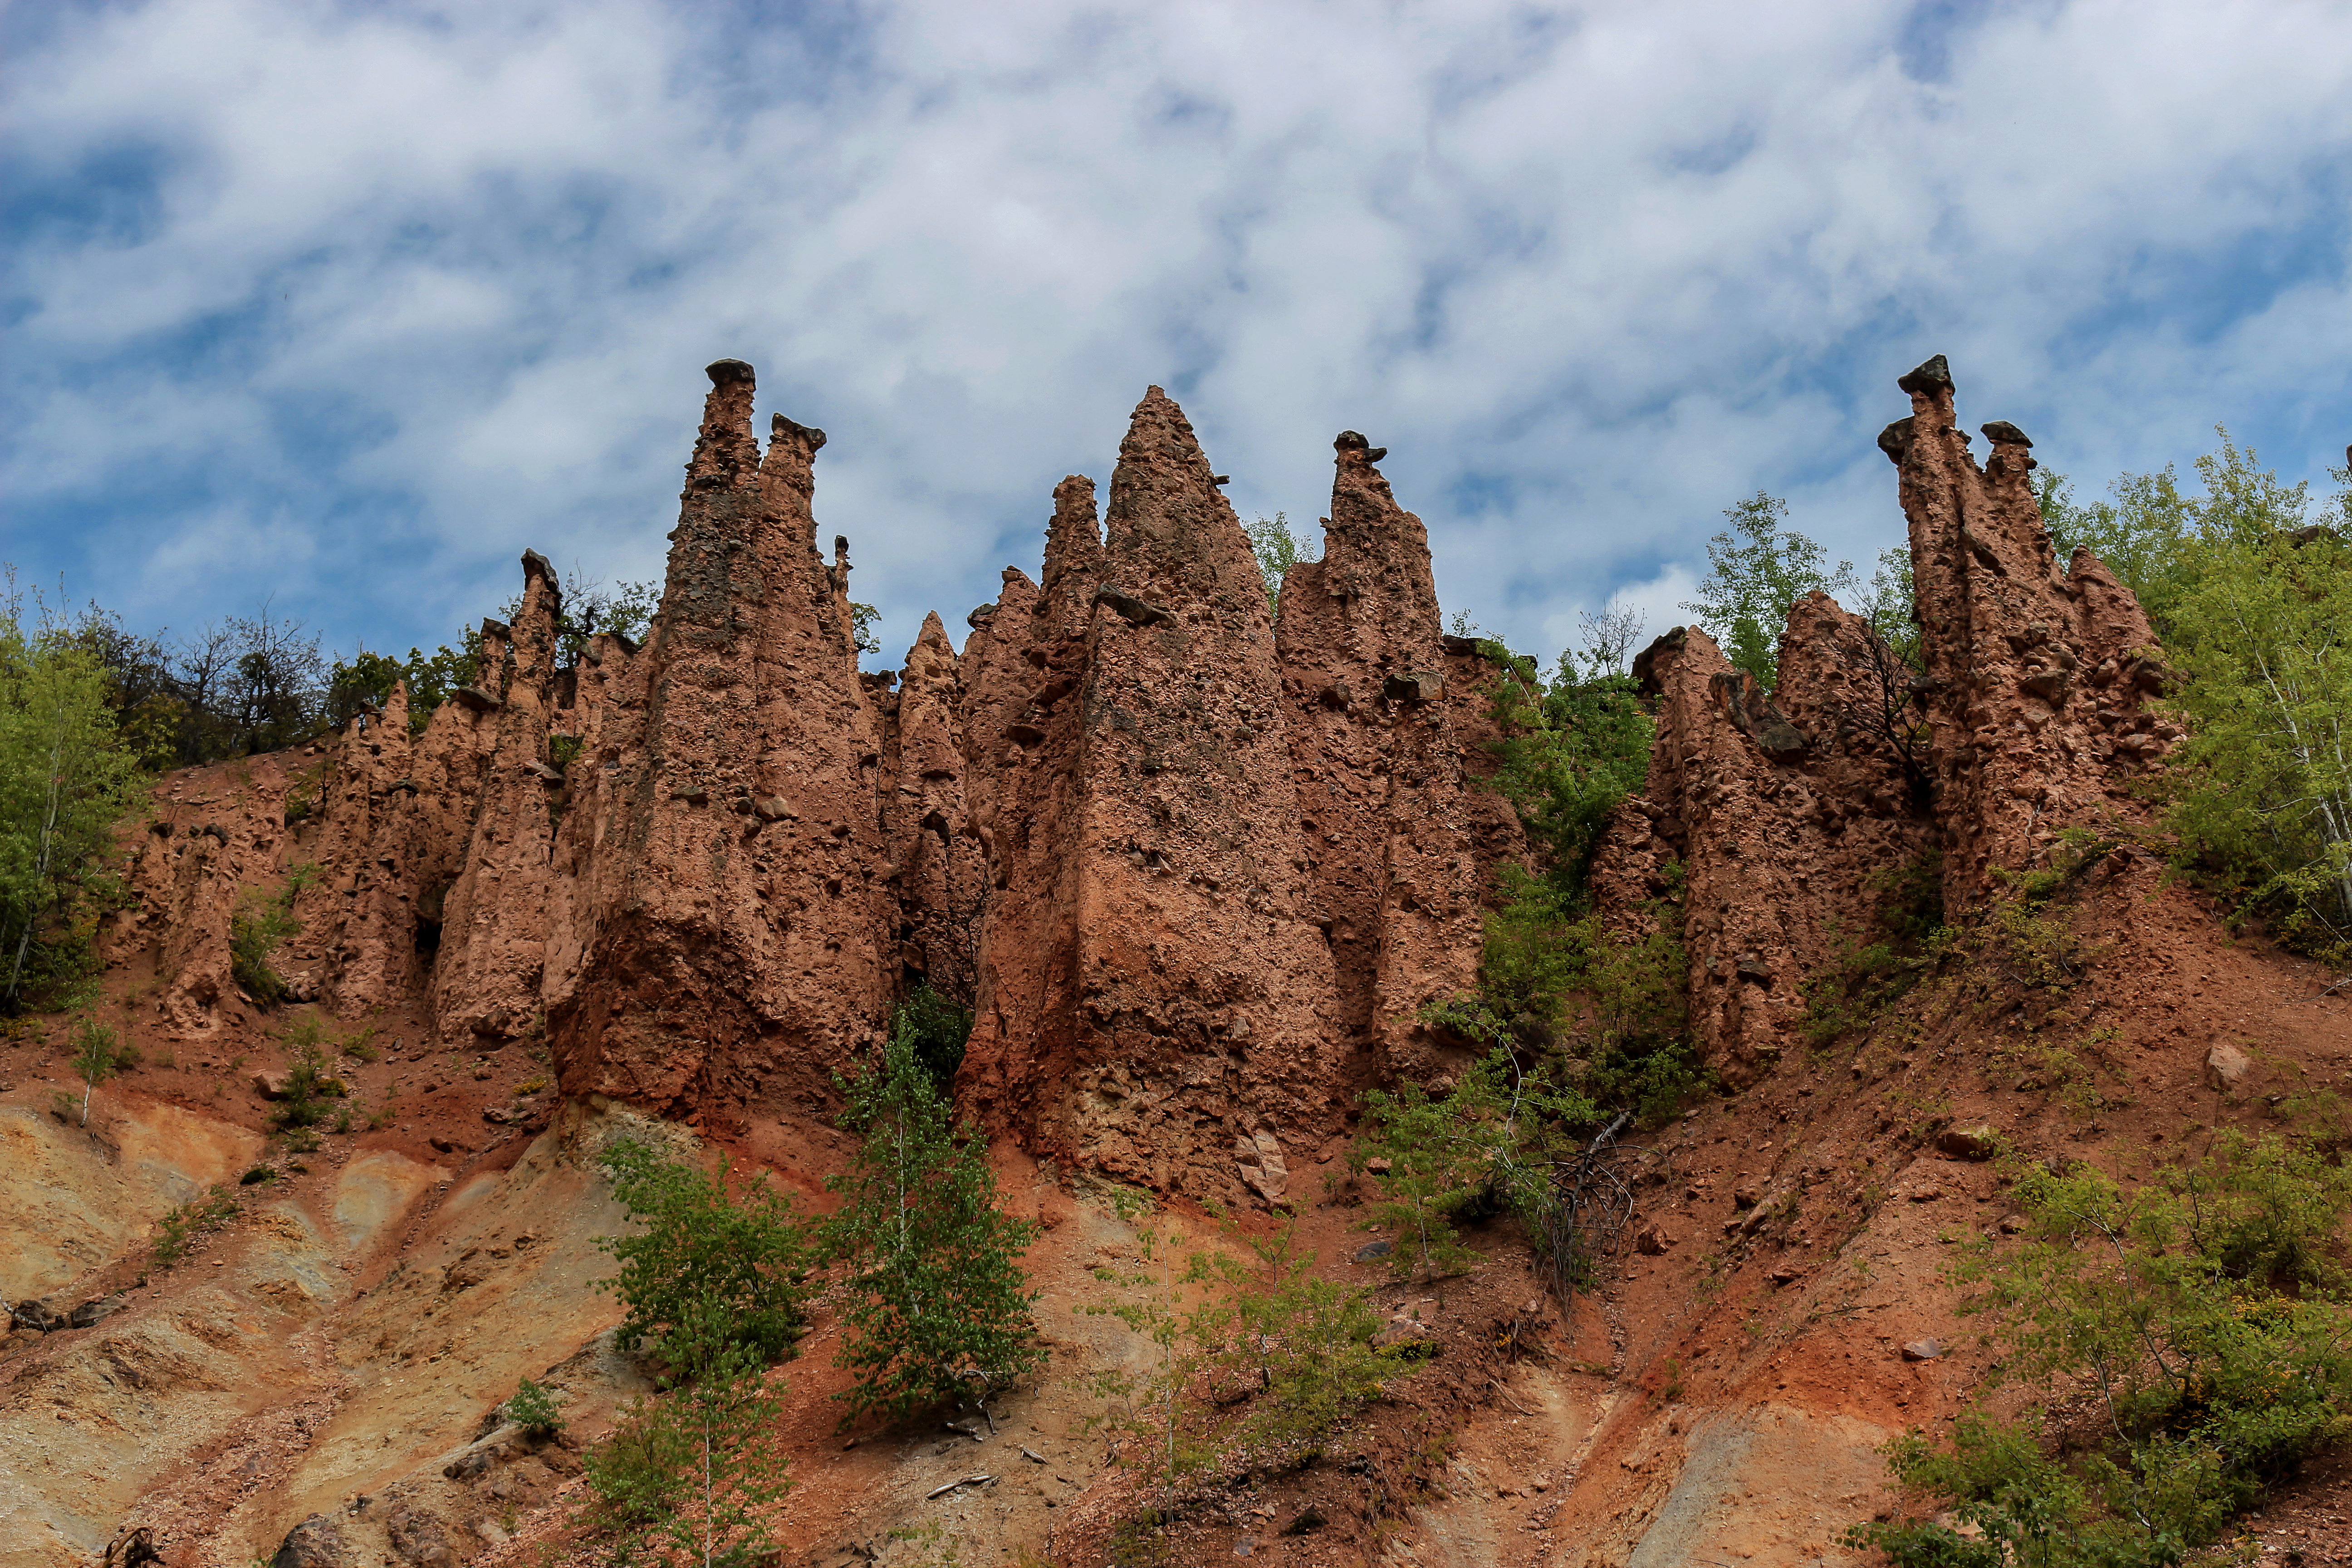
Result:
x=316 y=1543
x=1978 y=1143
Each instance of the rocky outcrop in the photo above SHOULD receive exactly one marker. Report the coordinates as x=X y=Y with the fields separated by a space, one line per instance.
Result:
x=1199 y=869
x=729 y=928
x=1785 y=821
x=1388 y=721
x=2035 y=678
x=1796 y=817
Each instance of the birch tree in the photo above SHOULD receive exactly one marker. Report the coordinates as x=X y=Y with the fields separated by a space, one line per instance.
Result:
x=938 y=1305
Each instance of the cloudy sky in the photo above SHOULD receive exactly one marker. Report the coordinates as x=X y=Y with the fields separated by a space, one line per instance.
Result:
x=344 y=305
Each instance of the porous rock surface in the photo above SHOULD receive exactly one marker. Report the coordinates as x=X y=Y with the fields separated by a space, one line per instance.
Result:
x=1196 y=877
x=1197 y=866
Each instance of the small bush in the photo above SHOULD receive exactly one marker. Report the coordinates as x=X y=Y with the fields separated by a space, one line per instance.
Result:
x=258 y=1174
x=2207 y=1321
x=533 y=1409
x=309 y=1085
x=256 y=930
x=181 y=1228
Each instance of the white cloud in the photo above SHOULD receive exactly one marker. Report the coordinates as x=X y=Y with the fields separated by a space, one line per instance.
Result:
x=428 y=286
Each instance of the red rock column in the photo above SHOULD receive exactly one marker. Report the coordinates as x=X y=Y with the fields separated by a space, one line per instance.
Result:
x=732 y=933
x=2021 y=662
x=1387 y=717
x=486 y=976
x=1190 y=1051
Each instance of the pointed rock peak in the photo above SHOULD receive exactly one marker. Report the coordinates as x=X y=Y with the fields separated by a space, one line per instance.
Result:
x=934 y=634
x=1073 y=538
x=1168 y=523
x=1931 y=380
x=792 y=453
x=724 y=448
x=1158 y=431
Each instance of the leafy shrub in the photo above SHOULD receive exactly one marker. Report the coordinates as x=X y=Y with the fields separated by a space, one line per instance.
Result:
x=689 y=1475
x=937 y=1307
x=533 y=1409
x=260 y=925
x=939 y=1026
x=257 y=1175
x=2205 y=1317
x=181 y=1228
x=1304 y=1345
x=309 y=1084
x=745 y=1255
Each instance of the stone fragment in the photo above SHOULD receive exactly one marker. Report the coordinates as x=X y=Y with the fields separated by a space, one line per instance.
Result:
x=1930 y=378
x=1414 y=686
x=1374 y=1251
x=1258 y=1155
x=1653 y=1240
x=316 y=1543
x=1974 y=1143
x=2227 y=1068
x=2001 y=432
x=94 y=1311
x=1923 y=1349
x=419 y=1538
x=477 y=699
x=1129 y=608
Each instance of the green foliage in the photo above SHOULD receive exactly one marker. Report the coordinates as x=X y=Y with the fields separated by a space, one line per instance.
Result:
x=938 y=1307
x=2252 y=602
x=745 y=1255
x=533 y=1409
x=1278 y=551
x=1303 y=1346
x=693 y=1473
x=99 y=1053
x=67 y=775
x=1758 y=569
x=1572 y=750
x=2262 y=629
x=310 y=1083
x=2204 y=1315
x=1497 y=1140
x=184 y=1226
x=861 y=628
x=262 y=923
x=939 y=1026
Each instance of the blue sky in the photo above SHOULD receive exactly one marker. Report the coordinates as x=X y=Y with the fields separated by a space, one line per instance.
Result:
x=344 y=306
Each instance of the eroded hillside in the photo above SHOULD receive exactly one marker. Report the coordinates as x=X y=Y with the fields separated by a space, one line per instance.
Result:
x=1200 y=869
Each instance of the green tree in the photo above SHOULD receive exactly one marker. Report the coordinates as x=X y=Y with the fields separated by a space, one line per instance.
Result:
x=1278 y=551
x=98 y=1053
x=1758 y=569
x=693 y=1473
x=745 y=1255
x=938 y=1307
x=2260 y=626
x=66 y=777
